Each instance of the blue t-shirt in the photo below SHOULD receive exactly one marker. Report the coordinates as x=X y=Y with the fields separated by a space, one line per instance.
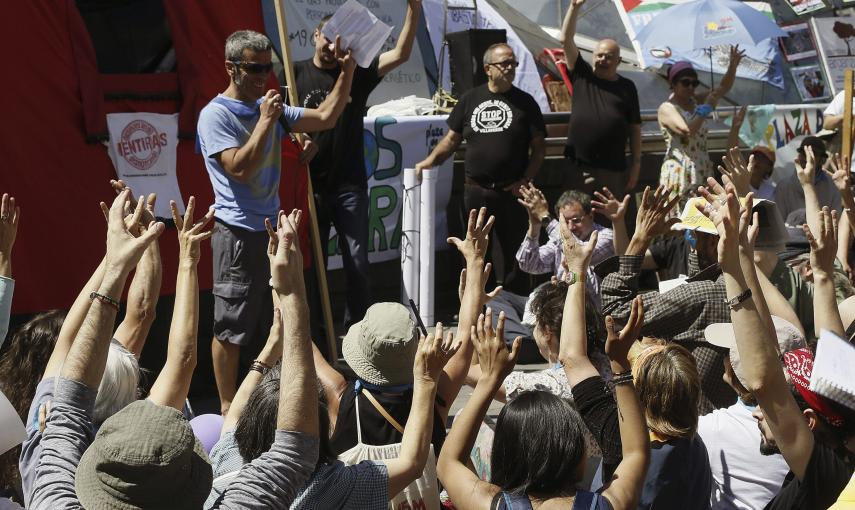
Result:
x=227 y=123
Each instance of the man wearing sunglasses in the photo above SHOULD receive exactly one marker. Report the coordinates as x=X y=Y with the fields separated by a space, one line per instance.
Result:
x=505 y=146
x=336 y=156
x=240 y=134
x=605 y=114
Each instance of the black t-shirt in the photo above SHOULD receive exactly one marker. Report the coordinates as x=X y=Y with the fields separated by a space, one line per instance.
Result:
x=671 y=255
x=602 y=113
x=498 y=129
x=340 y=162
x=375 y=429
x=826 y=476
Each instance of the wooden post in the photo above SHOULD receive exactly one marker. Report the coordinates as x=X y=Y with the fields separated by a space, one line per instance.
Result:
x=846 y=143
x=317 y=246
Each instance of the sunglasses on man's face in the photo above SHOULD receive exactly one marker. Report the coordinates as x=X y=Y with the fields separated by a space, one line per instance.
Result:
x=688 y=82
x=253 y=67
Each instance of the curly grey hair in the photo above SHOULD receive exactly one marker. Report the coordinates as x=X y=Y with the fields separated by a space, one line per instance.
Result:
x=246 y=40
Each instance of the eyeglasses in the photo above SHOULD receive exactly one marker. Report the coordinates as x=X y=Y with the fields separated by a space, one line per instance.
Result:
x=688 y=82
x=513 y=64
x=576 y=220
x=253 y=67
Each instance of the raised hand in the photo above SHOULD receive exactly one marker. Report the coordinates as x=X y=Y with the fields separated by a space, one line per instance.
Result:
x=736 y=56
x=486 y=297
x=124 y=248
x=739 y=116
x=433 y=354
x=493 y=356
x=823 y=244
x=806 y=173
x=652 y=219
x=609 y=206
x=474 y=246
x=577 y=256
x=283 y=251
x=147 y=215
x=736 y=171
x=534 y=202
x=190 y=235
x=725 y=213
x=619 y=343
x=10 y=215
x=271 y=106
x=344 y=56
x=840 y=173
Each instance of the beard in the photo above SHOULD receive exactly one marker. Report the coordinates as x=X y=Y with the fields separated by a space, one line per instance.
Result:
x=768 y=448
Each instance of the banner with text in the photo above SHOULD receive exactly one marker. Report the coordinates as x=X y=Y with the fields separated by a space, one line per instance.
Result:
x=392 y=144
x=303 y=17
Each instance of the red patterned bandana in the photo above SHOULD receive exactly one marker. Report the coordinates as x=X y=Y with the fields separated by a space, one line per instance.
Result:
x=799 y=365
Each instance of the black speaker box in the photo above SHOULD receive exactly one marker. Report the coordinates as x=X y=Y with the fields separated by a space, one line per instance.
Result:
x=465 y=52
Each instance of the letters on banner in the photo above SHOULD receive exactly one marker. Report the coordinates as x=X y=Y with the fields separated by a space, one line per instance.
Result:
x=392 y=144
x=144 y=151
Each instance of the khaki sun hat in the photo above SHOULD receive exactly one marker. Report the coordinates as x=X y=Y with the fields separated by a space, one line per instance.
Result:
x=382 y=346
x=144 y=456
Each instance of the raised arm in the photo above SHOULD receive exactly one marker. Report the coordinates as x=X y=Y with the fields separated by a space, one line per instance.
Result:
x=531 y=256
x=735 y=125
x=473 y=248
x=10 y=215
x=736 y=56
x=270 y=354
x=327 y=113
x=607 y=204
x=443 y=150
x=758 y=349
x=823 y=251
x=671 y=119
x=143 y=293
x=841 y=176
x=807 y=176
x=736 y=170
x=568 y=33
x=391 y=59
x=573 y=352
x=241 y=163
x=171 y=386
x=463 y=485
x=624 y=489
x=434 y=352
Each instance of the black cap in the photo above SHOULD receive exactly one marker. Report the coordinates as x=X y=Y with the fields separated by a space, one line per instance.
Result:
x=815 y=142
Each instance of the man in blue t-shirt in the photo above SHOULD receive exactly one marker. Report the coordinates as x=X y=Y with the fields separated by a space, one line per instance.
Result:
x=240 y=134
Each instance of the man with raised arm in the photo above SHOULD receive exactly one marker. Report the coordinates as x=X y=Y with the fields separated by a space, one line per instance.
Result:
x=605 y=114
x=505 y=146
x=240 y=134
x=335 y=156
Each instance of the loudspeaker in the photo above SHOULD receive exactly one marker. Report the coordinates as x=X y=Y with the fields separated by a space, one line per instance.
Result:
x=465 y=52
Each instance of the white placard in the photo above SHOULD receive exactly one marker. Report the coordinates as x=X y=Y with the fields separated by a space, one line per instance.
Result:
x=360 y=31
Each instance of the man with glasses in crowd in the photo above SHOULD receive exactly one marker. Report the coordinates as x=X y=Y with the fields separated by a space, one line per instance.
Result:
x=505 y=146
x=337 y=159
x=605 y=114
x=240 y=134
x=789 y=194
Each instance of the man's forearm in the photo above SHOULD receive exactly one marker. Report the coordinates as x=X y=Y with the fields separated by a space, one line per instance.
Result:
x=335 y=102
x=568 y=30
x=443 y=150
x=621 y=237
x=832 y=122
x=299 y=391
x=638 y=245
x=143 y=294
x=247 y=160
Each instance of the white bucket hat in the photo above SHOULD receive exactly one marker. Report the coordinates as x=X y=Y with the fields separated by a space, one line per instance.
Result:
x=382 y=346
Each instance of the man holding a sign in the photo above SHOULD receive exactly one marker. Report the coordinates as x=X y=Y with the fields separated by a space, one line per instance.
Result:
x=240 y=134
x=339 y=178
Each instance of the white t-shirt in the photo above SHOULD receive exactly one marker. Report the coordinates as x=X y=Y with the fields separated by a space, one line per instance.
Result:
x=743 y=478
x=835 y=107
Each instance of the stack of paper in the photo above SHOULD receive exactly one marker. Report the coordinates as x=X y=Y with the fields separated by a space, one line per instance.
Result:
x=360 y=31
x=832 y=369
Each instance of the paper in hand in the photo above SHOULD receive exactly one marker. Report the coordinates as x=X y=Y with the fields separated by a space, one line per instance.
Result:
x=360 y=31
x=12 y=432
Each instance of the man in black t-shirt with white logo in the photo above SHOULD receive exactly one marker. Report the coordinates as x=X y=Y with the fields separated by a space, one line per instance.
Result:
x=337 y=161
x=605 y=114
x=504 y=132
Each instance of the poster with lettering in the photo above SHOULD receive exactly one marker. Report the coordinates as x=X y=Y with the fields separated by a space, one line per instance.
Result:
x=392 y=144
x=303 y=16
x=143 y=148
x=835 y=38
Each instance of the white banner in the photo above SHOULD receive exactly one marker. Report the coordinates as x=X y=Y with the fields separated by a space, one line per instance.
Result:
x=304 y=15
x=392 y=144
x=143 y=148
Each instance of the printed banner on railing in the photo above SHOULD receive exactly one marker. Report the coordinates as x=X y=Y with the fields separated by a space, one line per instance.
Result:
x=392 y=144
x=776 y=126
x=144 y=151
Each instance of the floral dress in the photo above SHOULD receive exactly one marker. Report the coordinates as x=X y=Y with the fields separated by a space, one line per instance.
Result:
x=687 y=162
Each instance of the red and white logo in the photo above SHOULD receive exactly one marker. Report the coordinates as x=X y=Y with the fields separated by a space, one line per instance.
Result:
x=140 y=144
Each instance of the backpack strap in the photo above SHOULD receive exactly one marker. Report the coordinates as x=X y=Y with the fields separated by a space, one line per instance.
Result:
x=382 y=410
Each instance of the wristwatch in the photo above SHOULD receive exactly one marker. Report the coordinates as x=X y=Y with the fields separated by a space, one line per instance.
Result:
x=545 y=219
x=572 y=277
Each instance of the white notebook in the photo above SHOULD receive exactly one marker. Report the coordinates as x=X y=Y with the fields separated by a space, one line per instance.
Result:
x=832 y=375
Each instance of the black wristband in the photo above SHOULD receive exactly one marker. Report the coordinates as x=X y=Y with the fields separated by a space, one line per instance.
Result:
x=734 y=302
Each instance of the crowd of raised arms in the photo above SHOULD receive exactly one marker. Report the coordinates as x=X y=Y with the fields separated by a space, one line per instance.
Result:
x=692 y=394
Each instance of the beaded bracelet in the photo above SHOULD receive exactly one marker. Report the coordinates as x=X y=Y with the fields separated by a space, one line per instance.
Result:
x=260 y=367
x=107 y=300
x=622 y=378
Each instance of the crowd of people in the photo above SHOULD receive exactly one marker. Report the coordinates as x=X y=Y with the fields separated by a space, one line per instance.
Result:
x=693 y=395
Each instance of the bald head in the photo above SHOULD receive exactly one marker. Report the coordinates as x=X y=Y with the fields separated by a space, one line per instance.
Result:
x=606 y=59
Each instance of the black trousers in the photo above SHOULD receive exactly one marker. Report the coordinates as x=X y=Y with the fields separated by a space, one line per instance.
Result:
x=509 y=228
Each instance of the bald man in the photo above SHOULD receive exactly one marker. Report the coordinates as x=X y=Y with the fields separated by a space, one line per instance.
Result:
x=605 y=114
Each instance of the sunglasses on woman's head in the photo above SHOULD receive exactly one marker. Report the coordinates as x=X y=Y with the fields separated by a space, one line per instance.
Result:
x=688 y=82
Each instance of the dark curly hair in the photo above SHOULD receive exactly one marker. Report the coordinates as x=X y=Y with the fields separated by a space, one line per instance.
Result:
x=547 y=305
x=22 y=363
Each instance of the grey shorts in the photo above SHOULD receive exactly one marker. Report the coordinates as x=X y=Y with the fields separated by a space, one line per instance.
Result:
x=242 y=299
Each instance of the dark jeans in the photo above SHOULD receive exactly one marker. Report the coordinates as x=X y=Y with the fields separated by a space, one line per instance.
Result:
x=588 y=178
x=509 y=228
x=348 y=212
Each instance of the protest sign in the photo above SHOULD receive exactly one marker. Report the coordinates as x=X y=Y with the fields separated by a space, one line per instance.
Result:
x=834 y=43
x=359 y=30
